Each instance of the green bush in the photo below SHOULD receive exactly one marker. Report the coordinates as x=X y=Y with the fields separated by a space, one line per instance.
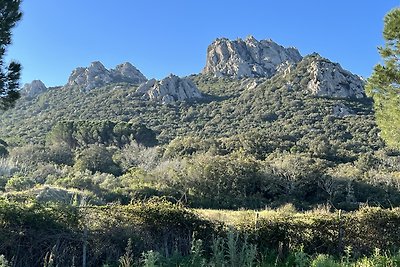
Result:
x=323 y=260
x=326 y=233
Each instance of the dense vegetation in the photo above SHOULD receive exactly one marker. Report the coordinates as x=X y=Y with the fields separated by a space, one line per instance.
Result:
x=105 y=178
x=249 y=143
x=158 y=233
x=9 y=74
x=93 y=176
x=384 y=83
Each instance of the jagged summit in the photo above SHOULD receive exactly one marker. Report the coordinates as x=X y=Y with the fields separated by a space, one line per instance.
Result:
x=248 y=58
x=251 y=58
x=241 y=58
x=96 y=75
x=169 y=89
x=128 y=73
x=34 y=88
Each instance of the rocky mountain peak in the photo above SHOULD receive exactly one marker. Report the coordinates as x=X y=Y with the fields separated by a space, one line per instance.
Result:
x=97 y=67
x=169 y=90
x=96 y=75
x=127 y=72
x=34 y=88
x=248 y=58
x=329 y=79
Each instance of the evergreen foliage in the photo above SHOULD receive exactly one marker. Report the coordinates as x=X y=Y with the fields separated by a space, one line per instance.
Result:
x=384 y=84
x=9 y=75
x=159 y=233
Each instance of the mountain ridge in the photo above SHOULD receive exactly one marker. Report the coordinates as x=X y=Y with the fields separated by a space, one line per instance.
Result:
x=201 y=104
x=238 y=59
x=96 y=75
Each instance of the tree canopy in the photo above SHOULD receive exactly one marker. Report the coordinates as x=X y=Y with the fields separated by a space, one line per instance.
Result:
x=9 y=74
x=384 y=83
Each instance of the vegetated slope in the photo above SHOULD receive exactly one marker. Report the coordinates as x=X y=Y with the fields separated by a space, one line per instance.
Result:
x=305 y=135
x=277 y=113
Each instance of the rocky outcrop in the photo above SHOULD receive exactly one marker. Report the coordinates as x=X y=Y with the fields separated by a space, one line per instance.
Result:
x=248 y=58
x=341 y=111
x=126 y=72
x=96 y=75
x=34 y=88
x=328 y=79
x=169 y=90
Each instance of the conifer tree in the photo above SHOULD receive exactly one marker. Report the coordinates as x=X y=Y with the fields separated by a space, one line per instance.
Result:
x=384 y=83
x=9 y=74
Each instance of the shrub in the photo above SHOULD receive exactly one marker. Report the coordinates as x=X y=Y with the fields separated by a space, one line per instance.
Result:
x=323 y=260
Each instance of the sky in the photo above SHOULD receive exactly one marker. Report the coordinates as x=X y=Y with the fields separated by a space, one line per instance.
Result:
x=160 y=37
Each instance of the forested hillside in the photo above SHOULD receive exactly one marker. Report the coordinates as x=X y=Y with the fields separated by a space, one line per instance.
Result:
x=261 y=141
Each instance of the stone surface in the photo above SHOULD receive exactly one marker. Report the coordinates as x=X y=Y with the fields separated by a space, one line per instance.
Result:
x=341 y=111
x=126 y=72
x=34 y=88
x=248 y=58
x=96 y=75
x=169 y=90
x=329 y=79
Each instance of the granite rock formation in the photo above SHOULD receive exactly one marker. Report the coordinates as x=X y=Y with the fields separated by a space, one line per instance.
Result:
x=328 y=79
x=169 y=90
x=248 y=58
x=96 y=75
x=34 y=88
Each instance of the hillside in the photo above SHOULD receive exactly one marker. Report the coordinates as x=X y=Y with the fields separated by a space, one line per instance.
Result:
x=279 y=107
x=267 y=125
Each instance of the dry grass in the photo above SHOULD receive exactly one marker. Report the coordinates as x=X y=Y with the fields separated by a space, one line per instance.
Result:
x=235 y=217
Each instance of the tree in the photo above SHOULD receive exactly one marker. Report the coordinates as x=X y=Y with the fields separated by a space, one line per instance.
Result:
x=9 y=75
x=384 y=83
x=97 y=158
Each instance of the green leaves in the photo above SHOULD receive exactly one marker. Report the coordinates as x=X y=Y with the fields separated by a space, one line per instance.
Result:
x=81 y=133
x=384 y=83
x=9 y=75
x=391 y=31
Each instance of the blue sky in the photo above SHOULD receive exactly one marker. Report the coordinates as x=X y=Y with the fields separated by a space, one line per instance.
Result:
x=161 y=37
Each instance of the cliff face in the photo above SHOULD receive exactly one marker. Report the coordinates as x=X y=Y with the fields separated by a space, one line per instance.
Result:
x=169 y=90
x=263 y=59
x=248 y=58
x=329 y=79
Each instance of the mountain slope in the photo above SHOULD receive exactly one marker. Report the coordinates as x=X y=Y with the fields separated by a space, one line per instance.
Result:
x=312 y=105
x=288 y=116
x=305 y=135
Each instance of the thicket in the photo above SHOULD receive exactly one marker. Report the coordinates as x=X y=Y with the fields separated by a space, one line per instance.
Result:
x=202 y=174
x=32 y=234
